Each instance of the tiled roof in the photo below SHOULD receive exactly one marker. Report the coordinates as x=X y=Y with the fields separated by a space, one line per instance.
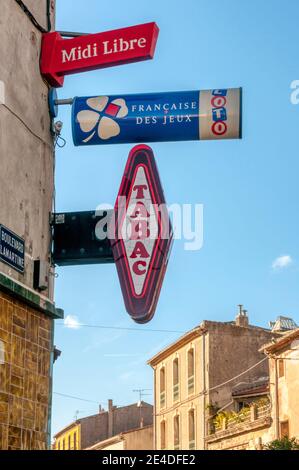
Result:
x=260 y=385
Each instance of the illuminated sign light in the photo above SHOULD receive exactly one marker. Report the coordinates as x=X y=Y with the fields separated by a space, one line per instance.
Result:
x=143 y=234
x=62 y=57
x=157 y=117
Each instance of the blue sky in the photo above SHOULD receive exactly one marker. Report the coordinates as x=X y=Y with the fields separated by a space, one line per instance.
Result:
x=248 y=188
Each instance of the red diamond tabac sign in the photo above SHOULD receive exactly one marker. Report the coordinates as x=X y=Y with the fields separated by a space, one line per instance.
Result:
x=143 y=234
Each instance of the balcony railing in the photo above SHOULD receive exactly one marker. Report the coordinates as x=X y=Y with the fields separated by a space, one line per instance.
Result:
x=191 y=384
x=191 y=445
x=162 y=399
x=176 y=392
x=263 y=411
x=235 y=421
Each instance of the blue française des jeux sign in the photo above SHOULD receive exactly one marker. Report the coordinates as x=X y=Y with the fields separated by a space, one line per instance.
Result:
x=157 y=117
x=12 y=249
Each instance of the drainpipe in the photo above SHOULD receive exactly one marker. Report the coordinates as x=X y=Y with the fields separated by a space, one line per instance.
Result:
x=277 y=436
x=50 y=386
x=110 y=418
x=204 y=389
x=155 y=408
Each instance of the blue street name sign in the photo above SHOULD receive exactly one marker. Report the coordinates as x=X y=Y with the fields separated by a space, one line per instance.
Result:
x=12 y=249
x=157 y=117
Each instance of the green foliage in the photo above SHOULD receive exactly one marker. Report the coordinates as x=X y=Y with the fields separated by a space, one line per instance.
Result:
x=213 y=408
x=231 y=416
x=262 y=402
x=284 y=443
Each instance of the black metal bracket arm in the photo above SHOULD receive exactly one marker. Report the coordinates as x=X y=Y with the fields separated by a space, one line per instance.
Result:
x=75 y=240
x=70 y=34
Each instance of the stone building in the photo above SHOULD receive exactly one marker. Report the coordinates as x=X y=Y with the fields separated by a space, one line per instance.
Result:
x=268 y=408
x=246 y=425
x=198 y=372
x=87 y=432
x=135 y=439
x=283 y=357
x=27 y=310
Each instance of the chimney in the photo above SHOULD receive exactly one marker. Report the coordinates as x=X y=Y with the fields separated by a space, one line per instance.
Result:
x=242 y=318
x=110 y=418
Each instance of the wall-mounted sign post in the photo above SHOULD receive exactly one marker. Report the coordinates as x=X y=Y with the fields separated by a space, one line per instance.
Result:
x=137 y=236
x=157 y=117
x=143 y=234
x=62 y=57
x=75 y=240
x=12 y=249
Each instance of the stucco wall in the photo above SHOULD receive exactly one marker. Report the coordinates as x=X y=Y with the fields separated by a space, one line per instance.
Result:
x=233 y=350
x=115 y=446
x=252 y=439
x=26 y=149
x=186 y=401
x=96 y=428
x=288 y=386
x=69 y=440
x=26 y=191
x=140 y=439
x=136 y=439
x=223 y=352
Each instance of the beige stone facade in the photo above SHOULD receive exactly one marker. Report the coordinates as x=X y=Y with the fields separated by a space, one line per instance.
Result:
x=91 y=430
x=280 y=417
x=250 y=434
x=200 y=370
x=136 y=439
x=284 y=379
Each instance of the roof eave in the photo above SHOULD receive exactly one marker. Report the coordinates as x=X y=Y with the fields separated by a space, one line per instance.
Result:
x=182 y=341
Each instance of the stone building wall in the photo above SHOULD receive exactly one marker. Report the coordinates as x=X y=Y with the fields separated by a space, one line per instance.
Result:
x=24 y=376
x=26 y=198
x=222 y=351
x=26 y=144
x=252 y=437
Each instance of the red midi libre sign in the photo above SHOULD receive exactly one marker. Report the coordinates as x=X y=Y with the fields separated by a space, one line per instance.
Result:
x=62 y=57
x=143 y=234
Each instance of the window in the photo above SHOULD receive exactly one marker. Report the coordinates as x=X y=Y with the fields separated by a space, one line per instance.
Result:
x=191 y=371
x=58 y=445
x=191 y=429
x=241 y=405
x=176 y=386
x=176 y=432
x=70 y=446
x=63 y=444
x=162 y=388
x=75 y=441
x=284 y=429
x=163 y=435
x=281 y=368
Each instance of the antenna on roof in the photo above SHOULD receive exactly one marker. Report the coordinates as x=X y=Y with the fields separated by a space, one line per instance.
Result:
x=141 y=392
x=77 y=414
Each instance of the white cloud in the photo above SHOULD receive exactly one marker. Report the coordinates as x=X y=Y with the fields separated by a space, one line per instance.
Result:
x=72 y=322
x=282 y=262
